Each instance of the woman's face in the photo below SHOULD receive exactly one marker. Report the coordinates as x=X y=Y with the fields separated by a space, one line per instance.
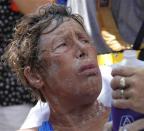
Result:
x=70 y=69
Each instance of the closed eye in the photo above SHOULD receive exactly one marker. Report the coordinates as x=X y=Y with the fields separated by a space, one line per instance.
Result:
x=61 y=45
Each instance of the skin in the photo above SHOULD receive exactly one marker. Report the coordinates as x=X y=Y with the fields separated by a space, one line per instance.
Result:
x=68 y=52
x=64 y=81
x=134 y=88
x=133 y=92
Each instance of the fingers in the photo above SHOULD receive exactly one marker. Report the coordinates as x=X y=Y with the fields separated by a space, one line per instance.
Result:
x=115 y=83
x=121 y=93
x=128 y=88
x=121 y=103
x=124 y=100
x=127 y=93
x=123 y=71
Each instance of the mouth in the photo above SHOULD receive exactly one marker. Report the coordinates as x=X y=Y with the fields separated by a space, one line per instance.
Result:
x=88 y=70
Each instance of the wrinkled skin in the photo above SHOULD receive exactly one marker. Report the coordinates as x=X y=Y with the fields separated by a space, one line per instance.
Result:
x=66 y=51
x=69 y=77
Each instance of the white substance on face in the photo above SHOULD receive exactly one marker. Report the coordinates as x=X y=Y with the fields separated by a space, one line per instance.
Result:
x=53 y=69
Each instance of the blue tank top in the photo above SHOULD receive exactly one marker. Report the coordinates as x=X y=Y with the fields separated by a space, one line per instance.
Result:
x=46 y=126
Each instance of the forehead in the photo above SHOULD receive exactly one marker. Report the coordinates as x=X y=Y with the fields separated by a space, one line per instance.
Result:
x=68 y=23
x=67 y=27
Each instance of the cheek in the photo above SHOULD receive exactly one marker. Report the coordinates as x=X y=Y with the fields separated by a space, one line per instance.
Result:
x=53 y=69
x=49 y=70
x=52 y=66
x=99 y=83
x=60 y=68
x=62 y=62
x=60 y=79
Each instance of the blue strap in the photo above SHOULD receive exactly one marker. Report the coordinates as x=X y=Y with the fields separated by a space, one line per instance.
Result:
x=46 y=126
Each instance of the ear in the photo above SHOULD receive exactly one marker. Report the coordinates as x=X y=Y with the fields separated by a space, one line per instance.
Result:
x=34 y=78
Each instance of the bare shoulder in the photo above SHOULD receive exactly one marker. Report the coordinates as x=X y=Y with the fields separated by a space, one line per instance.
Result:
x=31 y=129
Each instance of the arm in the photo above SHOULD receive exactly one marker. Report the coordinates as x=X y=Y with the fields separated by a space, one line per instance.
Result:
x=30 y=6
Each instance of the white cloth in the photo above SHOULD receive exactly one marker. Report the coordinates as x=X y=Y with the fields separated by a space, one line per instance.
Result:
x=41 y=111
x=105 y=96
x=80 y=7
x=12 y=117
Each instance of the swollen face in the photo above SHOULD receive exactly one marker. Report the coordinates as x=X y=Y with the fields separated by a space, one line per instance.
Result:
x=70 y=67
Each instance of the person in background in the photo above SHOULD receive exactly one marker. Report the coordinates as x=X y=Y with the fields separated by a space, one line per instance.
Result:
x=129 y=16
x=14 y=99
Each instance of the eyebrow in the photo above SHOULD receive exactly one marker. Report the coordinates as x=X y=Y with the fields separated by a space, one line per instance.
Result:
x=77 y=31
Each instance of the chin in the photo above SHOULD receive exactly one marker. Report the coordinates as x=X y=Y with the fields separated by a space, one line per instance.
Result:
x=90 y=99
x=95 y=94
x=95 y=89
x=91 y=96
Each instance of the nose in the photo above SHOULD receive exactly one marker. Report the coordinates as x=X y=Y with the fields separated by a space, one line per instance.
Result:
x=81 y=50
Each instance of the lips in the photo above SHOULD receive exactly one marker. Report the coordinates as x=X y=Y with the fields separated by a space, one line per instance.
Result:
x=89 y=70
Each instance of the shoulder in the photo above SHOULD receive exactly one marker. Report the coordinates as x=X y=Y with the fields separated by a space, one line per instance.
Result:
x=37 y=115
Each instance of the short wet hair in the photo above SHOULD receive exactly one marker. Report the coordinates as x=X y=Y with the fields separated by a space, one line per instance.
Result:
x=24 y=47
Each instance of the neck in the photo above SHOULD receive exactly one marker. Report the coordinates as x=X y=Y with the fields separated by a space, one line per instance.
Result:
x=76 y=118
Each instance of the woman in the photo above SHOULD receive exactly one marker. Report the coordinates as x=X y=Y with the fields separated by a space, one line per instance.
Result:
x=53 y=55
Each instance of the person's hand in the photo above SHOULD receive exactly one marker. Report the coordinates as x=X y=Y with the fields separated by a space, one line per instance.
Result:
x=132 y=94
x=108 y=126
x=135 y=126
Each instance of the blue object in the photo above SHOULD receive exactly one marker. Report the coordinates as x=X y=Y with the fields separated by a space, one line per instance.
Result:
x=122 y=117
x=63 y=2
x=46 y=126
